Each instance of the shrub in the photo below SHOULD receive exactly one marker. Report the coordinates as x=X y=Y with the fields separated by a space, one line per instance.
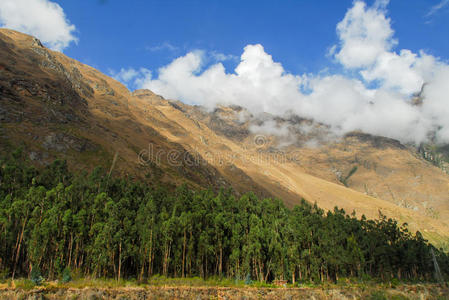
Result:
x=394 y=282
x=36 y=276
x=248 y=279
x=4 y=274
x=66 y=275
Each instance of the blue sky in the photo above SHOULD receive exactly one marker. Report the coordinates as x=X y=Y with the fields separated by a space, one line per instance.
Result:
x=353 y=65
x=114 y=34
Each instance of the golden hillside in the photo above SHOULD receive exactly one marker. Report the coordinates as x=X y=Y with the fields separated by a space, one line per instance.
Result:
x=57 y=107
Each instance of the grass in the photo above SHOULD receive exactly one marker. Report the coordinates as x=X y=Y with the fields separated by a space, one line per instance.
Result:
x=158 y=280
x=369 y=289
x=378 y=295
x=23 y=284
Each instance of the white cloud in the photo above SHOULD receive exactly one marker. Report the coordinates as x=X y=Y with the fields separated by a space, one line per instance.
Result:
x=365 y=33
x=125 y=75
x=41 y=18
x=217 y=56
x=256 y=81
x=344 y=103
x=164 y=46
x=131 y=77
x=436 y=102
x=437 y=7
x=270 y=127
x=366 y=43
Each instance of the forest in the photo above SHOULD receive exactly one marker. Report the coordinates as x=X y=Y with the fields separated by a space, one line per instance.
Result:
x=96 y=225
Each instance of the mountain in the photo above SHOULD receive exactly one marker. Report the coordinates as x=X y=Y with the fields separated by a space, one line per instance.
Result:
x=56 y=107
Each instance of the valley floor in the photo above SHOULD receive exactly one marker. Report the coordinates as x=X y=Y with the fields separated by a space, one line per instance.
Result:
x=98 y=289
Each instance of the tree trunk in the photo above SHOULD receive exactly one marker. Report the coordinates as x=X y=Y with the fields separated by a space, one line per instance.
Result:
x=16 y=260
x=119 y=260
x=75 y=260
x=150 y=256
x=149 y=262
x=166 y=258
x=70 y=249
x=220 y=268
x=142 y=269
x=184 y=254
x=50 y=269
x=113 y=263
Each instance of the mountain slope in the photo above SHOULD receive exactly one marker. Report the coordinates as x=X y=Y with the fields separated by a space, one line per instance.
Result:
x=57 y=107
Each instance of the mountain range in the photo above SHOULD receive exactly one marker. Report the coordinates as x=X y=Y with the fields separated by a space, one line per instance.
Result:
x=55 y=107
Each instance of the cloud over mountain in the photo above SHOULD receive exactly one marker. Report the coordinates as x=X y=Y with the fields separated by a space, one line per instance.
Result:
x=366 y=47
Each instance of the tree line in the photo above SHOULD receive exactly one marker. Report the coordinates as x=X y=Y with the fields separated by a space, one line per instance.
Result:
x=100 y=226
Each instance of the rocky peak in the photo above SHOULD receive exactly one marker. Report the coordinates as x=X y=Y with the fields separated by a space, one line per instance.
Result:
x=144 y=93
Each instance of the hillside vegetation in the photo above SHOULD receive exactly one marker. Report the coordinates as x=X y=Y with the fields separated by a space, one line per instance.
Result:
x=54 y=223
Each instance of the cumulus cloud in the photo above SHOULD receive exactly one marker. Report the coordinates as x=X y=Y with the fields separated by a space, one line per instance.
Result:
x=365 y=33
x=133 y=78
x=367 y=46
x=41 y=18
x=256 y=82
x=366 y=42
